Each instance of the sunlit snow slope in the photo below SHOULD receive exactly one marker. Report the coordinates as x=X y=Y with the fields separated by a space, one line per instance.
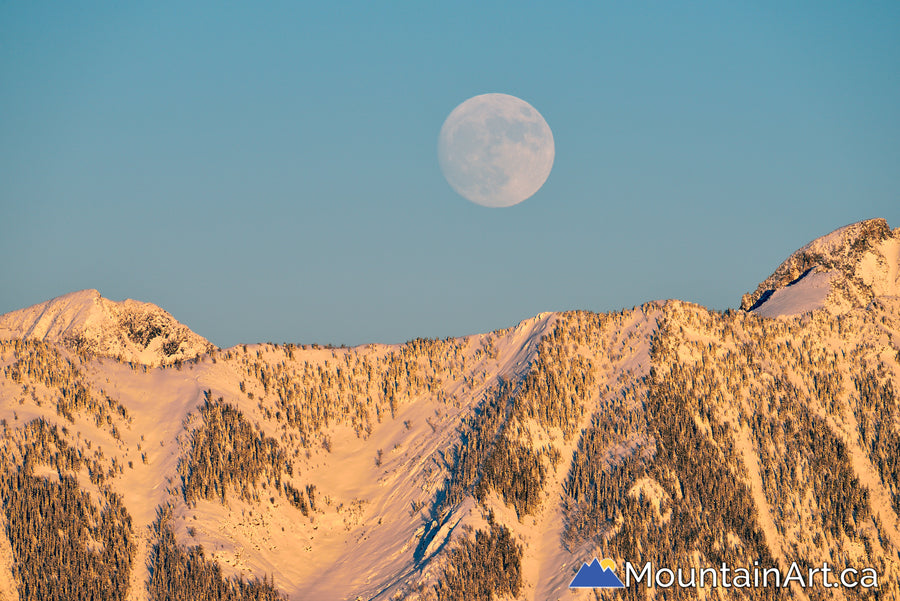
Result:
x=129 y=330
x=491 y=465
x=844 y=269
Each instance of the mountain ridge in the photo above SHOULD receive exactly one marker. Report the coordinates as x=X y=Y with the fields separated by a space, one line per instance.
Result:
x=130 y=329
x=493 y=465
x=843 y=269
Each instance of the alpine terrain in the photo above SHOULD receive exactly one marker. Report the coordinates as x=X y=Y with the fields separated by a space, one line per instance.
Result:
x=138 y=461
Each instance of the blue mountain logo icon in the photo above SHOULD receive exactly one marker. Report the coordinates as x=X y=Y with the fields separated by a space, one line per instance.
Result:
x=597 y=575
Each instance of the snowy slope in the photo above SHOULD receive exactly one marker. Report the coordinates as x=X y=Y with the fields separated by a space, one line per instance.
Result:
x=84 y=320
x=844 y=269
x=364 y=532
x=380 y=429
x=806 y=294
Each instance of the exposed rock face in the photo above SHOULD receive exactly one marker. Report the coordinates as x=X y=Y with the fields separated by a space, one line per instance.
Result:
x=845 y=269
x=130 y=330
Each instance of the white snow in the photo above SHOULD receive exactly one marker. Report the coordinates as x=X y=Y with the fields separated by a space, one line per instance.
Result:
x=361 y=539
x=54 y=318
x=879 y=268
x=808 y=294
x=94 y=321
x=875 y=273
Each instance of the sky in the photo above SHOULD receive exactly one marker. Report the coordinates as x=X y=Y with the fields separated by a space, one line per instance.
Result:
x=269 y=172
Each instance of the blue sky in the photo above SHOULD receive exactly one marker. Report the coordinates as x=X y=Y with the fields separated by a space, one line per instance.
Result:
x=269 y=172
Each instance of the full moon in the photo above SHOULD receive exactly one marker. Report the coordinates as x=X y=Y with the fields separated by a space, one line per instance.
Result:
x=496 y=150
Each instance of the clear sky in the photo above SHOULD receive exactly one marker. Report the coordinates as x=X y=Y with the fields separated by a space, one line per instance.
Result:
x=268 y=171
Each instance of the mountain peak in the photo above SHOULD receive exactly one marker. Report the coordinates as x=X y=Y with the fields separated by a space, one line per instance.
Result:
x=841 y=270
x=84 y=320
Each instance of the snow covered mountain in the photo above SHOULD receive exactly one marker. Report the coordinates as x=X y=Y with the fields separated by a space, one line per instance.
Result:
x=129 y=330
x=842 y=270
x=490 y=466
